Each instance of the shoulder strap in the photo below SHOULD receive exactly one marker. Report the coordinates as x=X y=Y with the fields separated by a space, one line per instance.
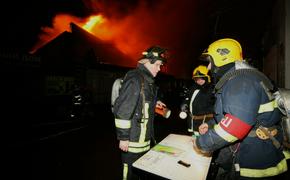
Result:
x=266 y=84
x=142 y=92
x=232 y=74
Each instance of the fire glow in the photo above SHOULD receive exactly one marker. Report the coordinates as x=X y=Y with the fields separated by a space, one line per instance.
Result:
x=131 y=28
x=98 y=25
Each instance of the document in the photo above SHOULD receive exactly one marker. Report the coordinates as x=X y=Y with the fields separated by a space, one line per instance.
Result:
x=174 y=158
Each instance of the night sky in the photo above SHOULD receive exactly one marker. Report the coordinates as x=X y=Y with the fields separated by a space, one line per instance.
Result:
x=185 y=27
x=21 y=21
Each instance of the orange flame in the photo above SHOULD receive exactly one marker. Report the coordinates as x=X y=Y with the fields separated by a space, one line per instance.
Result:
x=116 y=32
x=60 y=23
x=99 y=26
x=167 y=23
x=93 y=20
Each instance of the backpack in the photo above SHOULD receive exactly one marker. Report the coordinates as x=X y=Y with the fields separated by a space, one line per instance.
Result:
x=115 y=91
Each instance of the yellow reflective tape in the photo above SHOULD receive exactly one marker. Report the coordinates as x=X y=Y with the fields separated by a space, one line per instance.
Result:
x=144 y=124
x=139 y=144
x=286 y=154
x=137 y=147
x=146 y=111
x=272 y=171
x=122 y=123
x=138 y=150
x=125 y=171
x=143 y=130
x=270 y=106
x=224 y=134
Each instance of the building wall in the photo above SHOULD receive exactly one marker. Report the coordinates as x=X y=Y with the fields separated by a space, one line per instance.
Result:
x=287 y=44
x=277 y=45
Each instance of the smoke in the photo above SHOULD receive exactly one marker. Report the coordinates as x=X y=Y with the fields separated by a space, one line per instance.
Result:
x=173 y=24
x=134 y=25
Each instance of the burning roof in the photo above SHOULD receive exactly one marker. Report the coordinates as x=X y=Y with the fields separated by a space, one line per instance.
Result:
x=74 y=46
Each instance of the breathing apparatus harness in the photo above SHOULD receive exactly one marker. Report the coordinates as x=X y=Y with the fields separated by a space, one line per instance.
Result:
x=242 y=68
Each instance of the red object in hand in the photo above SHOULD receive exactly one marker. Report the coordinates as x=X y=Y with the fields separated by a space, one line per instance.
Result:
x=163 y=111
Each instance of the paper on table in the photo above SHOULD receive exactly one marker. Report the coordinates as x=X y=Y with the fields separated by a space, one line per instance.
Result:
x=163 y=159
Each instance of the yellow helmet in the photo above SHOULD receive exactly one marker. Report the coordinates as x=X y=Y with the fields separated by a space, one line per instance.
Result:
x=201 y=71
x=224 y=51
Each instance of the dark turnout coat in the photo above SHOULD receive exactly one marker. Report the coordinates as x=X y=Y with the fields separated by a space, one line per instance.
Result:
x=242 y=105
x=133 y=116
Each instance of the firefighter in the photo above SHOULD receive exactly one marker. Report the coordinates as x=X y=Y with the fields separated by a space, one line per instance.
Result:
x=197 y=106
x=134 y=108
x=247 y=129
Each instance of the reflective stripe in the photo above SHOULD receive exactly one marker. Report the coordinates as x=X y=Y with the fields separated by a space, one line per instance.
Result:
x=192 y=98
x=144 y=124
x=272 y=171
x=138 y=150
x=224 y=134
x=122 y=123
x=286 y=154
x=125 y=171
x=143 y=130
x=146 y=110
x=136 y=147
x=190 y=130
x=137 y=144
x=270 y=106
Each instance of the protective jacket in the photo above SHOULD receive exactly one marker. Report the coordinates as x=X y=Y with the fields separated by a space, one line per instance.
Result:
x=198 y=101
x=242 y=105
x=134 y=116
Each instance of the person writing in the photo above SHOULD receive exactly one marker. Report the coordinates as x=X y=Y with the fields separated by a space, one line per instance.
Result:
x=247 y=132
